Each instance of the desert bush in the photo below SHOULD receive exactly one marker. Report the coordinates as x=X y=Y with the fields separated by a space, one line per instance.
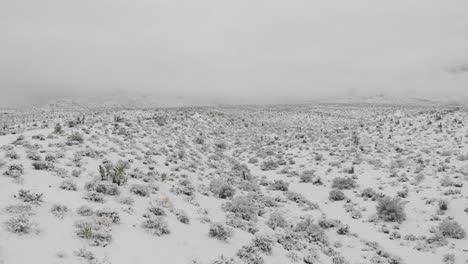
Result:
x=97 y=233
x=220 y=231
x=94 y=196
x=369 y=193
x=243 y=207
x=12 y=154
x=155 y=210
x=268 y=165
x=310 y=231
x=336 y=195
x=85 y=210
x=224 y=260
x=40 y=165
x=237 y=222
x=140 y=190
x=107 y=188
x=185 y=187
x=253 y=160
x=443 y=204
x=446 y=181
x=28 y=196
x=75 y=138
x=182 y=217
x=221 y=189
x=59 y=210
x=20 y=224
x=326 y=223
x=249 y=255
x=263 y=243
x=306 y=176
x=68 y=185
x=156 y=226
x=276 y=220
x=14 y=170
x=32 y=155
x=126 y=200
x=451 y=229
x=19 y=209
x=343 y=183
x=301 y=200
x=112 y=214
x=391 y=209
x=280 y=185
x=448 y=258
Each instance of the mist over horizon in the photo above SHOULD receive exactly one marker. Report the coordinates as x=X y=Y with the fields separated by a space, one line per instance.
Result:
x=232 y=51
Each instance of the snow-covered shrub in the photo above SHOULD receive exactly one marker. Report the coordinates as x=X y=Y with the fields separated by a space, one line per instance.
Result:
x=253 y=160
x=220 y=231
x=40 y=165
x=336 y=195
x=112 y=214
x=97 y=233
x=94 y=196
x=268 y=165
x=277 y=220
x=448 y=259
x=224 y=260
x=107 y=188
x=263 y=243
x=155 y=210
x=139 y=189
x=20 y=224
x=249 y=255
x=75 y=138
x=301 y=200
x=306 y=176
x=451 y=229
x=32 y=155
x=280 y=185
x=19 y=209
x=84 y=210
x=68 y=185
x=59 y=210
x=368 y=193
x=126 y=200
x=156 y=226
x=446 y=181
x=237 y=222
x=311 y=231
x=345 y=183
x=391 y=209
x=184 y=187
x=28 y=196
x=326 y=223
x=244 y=207
x=182 y=217
x=443 y=205
x=14 y=170
x=12 y=154
x=221 y=189
x=76 y=173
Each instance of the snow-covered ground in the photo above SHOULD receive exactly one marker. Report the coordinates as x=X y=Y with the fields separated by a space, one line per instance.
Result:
x=277 y=184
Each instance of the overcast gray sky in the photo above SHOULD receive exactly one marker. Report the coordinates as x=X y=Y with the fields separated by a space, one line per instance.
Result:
x=241 y=48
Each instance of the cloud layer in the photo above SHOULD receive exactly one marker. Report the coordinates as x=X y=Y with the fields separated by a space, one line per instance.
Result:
x=262 y=49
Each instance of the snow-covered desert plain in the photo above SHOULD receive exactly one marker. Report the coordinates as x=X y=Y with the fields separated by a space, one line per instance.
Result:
x=252 y=184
